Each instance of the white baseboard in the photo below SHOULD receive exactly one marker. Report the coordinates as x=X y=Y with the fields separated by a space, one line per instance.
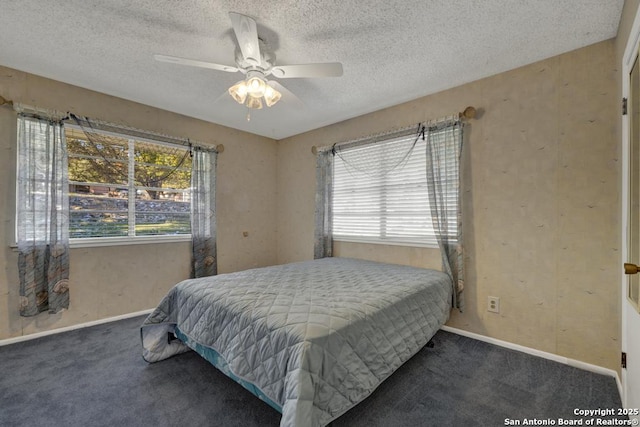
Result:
x=545 y=355
x=72 y=327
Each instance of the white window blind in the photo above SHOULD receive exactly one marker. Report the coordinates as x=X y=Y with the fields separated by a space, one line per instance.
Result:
x=380 y=194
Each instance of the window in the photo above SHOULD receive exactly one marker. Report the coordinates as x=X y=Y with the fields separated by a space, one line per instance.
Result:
x=125 y=187
x=391 y=205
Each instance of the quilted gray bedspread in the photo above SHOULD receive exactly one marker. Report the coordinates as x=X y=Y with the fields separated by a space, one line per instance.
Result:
x=316 y=337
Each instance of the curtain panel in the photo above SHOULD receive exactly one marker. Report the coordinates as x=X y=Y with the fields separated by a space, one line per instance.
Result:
x=43 y=217
x=204 y=260
x=323 y=242
x=444 y=147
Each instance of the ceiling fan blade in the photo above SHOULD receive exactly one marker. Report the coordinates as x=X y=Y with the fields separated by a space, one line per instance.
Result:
x=289 y=97
x=329 y=69
x=247 y=36
x=195 y=63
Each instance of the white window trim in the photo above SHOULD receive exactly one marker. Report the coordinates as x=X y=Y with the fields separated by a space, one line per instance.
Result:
x=395 y=242
x=96 y=242
x=91 y=242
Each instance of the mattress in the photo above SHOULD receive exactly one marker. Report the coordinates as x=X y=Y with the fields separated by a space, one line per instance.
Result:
x=312 y=338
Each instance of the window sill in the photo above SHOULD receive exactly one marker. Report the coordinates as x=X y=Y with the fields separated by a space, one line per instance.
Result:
x=92 y=242
x=387 y=243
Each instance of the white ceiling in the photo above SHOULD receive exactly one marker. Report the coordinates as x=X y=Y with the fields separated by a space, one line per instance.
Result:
x=391 y=51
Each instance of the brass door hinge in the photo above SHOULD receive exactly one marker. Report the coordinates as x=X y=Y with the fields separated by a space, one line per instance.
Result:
x=623 y=360
x=624 y=106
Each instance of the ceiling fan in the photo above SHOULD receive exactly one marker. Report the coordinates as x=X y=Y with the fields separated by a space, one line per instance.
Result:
x=256 y=61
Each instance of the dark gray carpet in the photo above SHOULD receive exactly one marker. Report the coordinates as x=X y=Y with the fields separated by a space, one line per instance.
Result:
x=96 y=377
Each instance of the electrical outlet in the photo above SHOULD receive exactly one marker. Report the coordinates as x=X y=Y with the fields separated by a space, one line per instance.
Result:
x=493 y=304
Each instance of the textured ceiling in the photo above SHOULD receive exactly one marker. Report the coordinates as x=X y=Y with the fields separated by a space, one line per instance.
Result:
x=391 y=51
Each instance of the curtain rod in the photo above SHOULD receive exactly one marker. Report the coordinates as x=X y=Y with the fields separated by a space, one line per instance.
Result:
x=44 y=114
x=47 y=114
x=131 y=131
x=468 y=113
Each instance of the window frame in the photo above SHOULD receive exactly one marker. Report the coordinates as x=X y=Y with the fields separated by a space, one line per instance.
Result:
x=84 y=242
x=419 y=242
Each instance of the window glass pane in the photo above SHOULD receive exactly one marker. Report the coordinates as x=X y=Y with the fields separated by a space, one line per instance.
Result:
x=169 y=213
x=104 y=161
x=97 y=211
x=98 y=202
x=159 y=167
x=84 y=224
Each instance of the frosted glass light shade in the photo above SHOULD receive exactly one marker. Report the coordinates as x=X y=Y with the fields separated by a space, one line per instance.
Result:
x=256 y=87
x=239 y=92
x=254 y=102
x=271 y=96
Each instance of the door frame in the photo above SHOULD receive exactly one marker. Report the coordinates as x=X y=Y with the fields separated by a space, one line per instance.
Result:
x=628 y=59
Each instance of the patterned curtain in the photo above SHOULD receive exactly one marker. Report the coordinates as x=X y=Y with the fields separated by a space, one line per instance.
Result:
x=324 y=173
x=43 y=217
x=204 y=260
x=444 y=145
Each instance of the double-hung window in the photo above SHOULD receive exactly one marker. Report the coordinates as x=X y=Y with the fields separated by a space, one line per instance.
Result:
x=380 y=194
x=126 y=188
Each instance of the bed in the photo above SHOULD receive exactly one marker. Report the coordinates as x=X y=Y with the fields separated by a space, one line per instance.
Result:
x=313 y=338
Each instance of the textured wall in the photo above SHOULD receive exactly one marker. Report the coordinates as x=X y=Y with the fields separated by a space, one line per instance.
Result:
x=541 y=201
x=405 y=255
x=109 y=281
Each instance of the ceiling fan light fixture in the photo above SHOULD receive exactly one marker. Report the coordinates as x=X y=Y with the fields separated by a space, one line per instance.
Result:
x=256 y=87
x=239 y=91
x=271 y=96
x=254 y=102
x=251 y=91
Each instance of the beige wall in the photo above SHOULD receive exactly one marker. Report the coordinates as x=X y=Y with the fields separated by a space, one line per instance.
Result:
x=405 y=255
x=541 y=202
x=109 y=281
